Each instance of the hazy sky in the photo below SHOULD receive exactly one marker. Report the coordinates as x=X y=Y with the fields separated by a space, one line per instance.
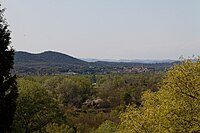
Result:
x=114 y=29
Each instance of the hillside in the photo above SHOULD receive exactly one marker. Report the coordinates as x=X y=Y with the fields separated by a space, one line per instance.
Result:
x=47 y=57
x=46 y=63
x=51 y=63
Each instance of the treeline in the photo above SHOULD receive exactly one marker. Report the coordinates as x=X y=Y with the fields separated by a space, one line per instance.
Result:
x=77 y=103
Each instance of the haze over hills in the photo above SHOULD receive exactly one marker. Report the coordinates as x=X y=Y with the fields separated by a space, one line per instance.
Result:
x=49 y=62
x=56 y=57
x=145 y=61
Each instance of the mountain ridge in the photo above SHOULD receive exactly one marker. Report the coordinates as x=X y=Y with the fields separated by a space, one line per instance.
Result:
x=51 y=63
x=58 y=57
x=46 y=57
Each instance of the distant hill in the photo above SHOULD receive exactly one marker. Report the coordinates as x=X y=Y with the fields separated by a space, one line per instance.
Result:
x=54 y=63
x=144 y=61
x=47 y=57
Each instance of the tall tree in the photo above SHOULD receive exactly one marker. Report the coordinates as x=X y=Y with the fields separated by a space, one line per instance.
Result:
x=8 y=85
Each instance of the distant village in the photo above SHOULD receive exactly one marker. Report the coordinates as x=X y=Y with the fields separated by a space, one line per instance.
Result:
x=87 y=70
x=133 y=70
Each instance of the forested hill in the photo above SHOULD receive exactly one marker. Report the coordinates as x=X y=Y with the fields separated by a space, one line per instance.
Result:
x=51 y=63
x=47 y=57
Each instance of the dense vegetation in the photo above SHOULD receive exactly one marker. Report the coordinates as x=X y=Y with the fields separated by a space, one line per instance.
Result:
x=78 y=103
x=174 y=108
x=111 y=103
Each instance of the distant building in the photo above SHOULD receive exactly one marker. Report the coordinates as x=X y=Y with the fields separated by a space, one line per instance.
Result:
x=141 y=69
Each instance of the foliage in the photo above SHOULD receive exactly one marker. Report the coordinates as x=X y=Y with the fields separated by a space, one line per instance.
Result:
x=50 y=95
x=8 y=88
x=35 y=108
x=87 y=121
x=174 y=108
x=127 y=98
x=128 y=87
x=106 y=127
x=55 y=128
x=69 y=91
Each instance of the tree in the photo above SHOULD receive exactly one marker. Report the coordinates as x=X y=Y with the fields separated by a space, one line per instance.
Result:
x=35 y=108
x=55 y=128
x=69 y=91
x=8 y=88
x=174 y=108
x=106 y=127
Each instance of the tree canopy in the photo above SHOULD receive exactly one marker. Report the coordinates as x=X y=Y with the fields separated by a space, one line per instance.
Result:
x=35 y=108
x=174 y=108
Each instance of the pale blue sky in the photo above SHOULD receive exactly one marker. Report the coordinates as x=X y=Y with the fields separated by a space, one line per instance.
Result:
x=114 y=29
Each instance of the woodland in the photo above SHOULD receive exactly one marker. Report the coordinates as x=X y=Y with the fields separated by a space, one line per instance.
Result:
x=147 y=102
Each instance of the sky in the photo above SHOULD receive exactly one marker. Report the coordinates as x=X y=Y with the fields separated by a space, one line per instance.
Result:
x=106 y=29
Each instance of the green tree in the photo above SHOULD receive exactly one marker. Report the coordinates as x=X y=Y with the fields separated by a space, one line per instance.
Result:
x=69 y=91
x=55 y=128
x=8 y=88
x=106 y=127
x=174 y=108
x=35 y=108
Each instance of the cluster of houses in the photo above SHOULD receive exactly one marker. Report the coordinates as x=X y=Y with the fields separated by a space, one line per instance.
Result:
x=134 y=70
